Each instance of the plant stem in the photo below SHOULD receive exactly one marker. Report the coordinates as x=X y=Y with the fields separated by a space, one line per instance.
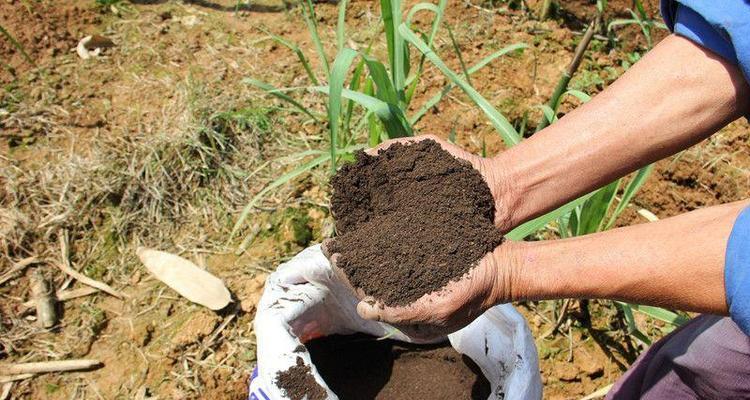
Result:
x=544 y=12
x=567 y=75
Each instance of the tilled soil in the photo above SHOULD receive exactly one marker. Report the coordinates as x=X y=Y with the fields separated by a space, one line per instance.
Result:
x=358 y=367
x=410 y=220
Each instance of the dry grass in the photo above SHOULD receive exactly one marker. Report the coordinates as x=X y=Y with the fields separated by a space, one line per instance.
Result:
x=173 y=151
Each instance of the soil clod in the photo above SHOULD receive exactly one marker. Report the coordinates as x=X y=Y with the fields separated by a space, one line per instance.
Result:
x=410 y=220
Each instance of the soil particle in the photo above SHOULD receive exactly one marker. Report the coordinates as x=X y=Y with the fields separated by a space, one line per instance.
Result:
x=410 y=220
x=298 y=383
x=358 y=367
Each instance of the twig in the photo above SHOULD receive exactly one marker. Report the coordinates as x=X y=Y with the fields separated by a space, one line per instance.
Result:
x=567 y=75
x=6 y=391
x=16 y=268
x=44 y=299
x=93 y=283
x=65 y=267
x=50 y=366
x=13 y=378
x=70 y=294
x=560 y=319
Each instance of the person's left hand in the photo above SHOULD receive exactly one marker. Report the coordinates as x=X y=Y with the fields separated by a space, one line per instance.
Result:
x=453 y=307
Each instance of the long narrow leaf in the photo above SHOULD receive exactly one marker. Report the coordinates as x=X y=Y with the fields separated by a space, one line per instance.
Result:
x=398 y=68
x=632 y=327
x=297 y=51
x=353 y=85
x=386 y=12
x=308 y=12
x=460 y=56
x=658 y=313
x=390 y=114
x=280 y=94
x=583 y=97
x=341 y=25
x=17 y=45
x=278 y=182
x=476 y=67
x=595 y=209
x=535 y=224
x=438 y=10
x=501 y=124
x=630 y=190
x=338 y=77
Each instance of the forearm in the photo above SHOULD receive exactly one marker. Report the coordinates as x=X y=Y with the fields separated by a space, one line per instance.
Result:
x=676 y=262
x=676 y=96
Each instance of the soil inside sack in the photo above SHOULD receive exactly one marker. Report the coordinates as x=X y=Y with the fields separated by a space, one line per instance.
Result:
x=359 y=367
x=410 y=220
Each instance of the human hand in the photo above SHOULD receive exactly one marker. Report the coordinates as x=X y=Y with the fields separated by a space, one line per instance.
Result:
x=492 y=281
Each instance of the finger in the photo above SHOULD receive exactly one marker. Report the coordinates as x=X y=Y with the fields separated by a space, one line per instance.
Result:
x=368 y=308
x=334 y=259
x=393 y=315
x=326 y=247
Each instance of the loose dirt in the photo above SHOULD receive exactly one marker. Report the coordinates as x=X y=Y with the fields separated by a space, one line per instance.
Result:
x=358 y=367
x=410 y=220
x=297 y=382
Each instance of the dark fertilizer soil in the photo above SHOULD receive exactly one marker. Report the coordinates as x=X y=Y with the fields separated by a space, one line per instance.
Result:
x=410 y=220
x=297 y=382
x=358 y=367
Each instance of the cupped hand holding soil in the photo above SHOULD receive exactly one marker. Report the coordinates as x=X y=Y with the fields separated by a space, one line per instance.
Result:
x=416 y=237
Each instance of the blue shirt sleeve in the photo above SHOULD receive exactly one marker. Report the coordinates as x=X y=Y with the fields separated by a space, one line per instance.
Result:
x=721 y=26
x=737 y=272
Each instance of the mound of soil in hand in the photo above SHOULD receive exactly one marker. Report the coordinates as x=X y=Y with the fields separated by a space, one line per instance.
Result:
x=410 y=220
x=297 y=382
x=358 y=367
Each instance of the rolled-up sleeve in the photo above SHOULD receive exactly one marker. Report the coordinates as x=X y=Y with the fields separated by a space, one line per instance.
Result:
x=737 y=272
x=720 y=26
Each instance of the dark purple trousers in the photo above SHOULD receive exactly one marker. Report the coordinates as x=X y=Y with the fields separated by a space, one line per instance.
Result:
x=707 y=358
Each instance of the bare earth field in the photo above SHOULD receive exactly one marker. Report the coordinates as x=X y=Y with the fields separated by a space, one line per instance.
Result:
x=157 y=142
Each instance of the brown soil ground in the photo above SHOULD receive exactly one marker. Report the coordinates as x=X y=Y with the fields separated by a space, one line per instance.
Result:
x=114 y=152
x=362 y=368
x=410 y=220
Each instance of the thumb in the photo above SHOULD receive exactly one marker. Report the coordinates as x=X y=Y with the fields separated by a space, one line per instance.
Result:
x=367 y=308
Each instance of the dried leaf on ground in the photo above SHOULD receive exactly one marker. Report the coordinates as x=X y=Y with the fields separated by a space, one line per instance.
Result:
x=189 y=280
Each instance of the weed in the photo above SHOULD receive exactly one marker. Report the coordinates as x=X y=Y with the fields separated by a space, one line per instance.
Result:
x=642 y=19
